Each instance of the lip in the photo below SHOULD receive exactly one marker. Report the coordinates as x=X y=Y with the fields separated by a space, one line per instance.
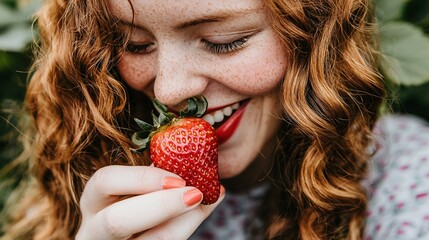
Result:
x=227 y=129
x=210 y=110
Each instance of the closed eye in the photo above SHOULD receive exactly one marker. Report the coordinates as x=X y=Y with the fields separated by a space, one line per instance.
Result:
x=221 y=48
x=140 y=48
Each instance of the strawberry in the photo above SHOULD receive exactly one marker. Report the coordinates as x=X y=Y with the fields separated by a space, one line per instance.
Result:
x=185 y=145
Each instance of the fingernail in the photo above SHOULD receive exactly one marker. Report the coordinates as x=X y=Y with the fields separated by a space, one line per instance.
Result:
x=192 y=197
x=173 y=182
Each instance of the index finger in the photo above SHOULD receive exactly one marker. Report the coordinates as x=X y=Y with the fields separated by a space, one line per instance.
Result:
x=110 y=183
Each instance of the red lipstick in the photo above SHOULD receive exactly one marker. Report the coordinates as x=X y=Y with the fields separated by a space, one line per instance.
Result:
x=227 y=129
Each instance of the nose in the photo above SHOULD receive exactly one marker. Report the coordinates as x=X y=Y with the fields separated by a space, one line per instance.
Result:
x=177 y=77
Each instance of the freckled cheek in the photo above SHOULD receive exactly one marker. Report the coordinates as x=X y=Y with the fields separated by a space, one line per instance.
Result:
x=137 y=73
x=259 y=73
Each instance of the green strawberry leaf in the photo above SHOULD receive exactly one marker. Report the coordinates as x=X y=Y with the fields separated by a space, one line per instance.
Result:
x=155 y=121
x=144 y=125
x=202 y=106
x=140 y=135
x=191 y=109
x=159 y=107
x=165 y=118
x=141 y=139
x=140 y=149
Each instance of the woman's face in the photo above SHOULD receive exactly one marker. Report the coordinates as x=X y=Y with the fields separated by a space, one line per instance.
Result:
x=224 y=50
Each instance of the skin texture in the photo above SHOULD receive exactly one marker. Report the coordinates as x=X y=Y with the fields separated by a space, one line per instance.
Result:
x=177 y=65
x=171 y=57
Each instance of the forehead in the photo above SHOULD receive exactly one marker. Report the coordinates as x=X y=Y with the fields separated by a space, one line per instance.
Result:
x=175 y=11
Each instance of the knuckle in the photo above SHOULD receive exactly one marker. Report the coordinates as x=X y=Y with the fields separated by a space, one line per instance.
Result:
x=111 y=225
x=167 y=207
x=95 y=185
x=141 y=175
x=99 y=179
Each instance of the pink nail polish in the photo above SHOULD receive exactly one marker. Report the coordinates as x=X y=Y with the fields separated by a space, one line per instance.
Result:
x=173 y=182
x=192 y=197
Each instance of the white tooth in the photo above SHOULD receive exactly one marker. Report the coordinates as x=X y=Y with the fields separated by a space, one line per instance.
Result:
x=235 y=106
x=209 y=118
x=218 y=116
x=227 y=111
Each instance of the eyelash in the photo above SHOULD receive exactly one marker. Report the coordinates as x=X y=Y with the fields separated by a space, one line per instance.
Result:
x=138 y=48
x=217 y=48
x=220 y=48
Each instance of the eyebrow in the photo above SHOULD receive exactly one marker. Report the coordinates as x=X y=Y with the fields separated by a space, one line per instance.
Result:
x=209 y=19
x=216 y=17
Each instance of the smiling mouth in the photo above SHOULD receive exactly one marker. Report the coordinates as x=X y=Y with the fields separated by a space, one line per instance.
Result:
x=218 y=117
x=226 y=120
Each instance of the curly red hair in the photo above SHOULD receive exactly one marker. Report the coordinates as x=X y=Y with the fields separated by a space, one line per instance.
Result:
x=81 y=114
x=331 y=96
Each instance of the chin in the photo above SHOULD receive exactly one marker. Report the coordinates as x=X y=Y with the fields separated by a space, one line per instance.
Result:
x=230 y=167
x=227 y=174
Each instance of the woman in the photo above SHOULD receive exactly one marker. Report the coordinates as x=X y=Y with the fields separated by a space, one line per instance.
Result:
x=303 y=73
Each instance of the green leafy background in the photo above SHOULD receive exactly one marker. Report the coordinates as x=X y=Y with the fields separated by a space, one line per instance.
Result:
x=404 y=26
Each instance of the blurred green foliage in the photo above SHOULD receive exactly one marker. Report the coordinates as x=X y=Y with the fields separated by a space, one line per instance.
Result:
x=15 y=58
x=404 y=26
x=404 y=43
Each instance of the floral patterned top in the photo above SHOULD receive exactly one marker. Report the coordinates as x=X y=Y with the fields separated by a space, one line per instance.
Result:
x=398 y=189
x=398 y=183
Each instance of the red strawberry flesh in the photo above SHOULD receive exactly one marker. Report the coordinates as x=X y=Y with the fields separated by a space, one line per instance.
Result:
x=189 y=148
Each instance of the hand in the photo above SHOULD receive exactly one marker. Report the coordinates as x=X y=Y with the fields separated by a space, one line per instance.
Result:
x=158 y=206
